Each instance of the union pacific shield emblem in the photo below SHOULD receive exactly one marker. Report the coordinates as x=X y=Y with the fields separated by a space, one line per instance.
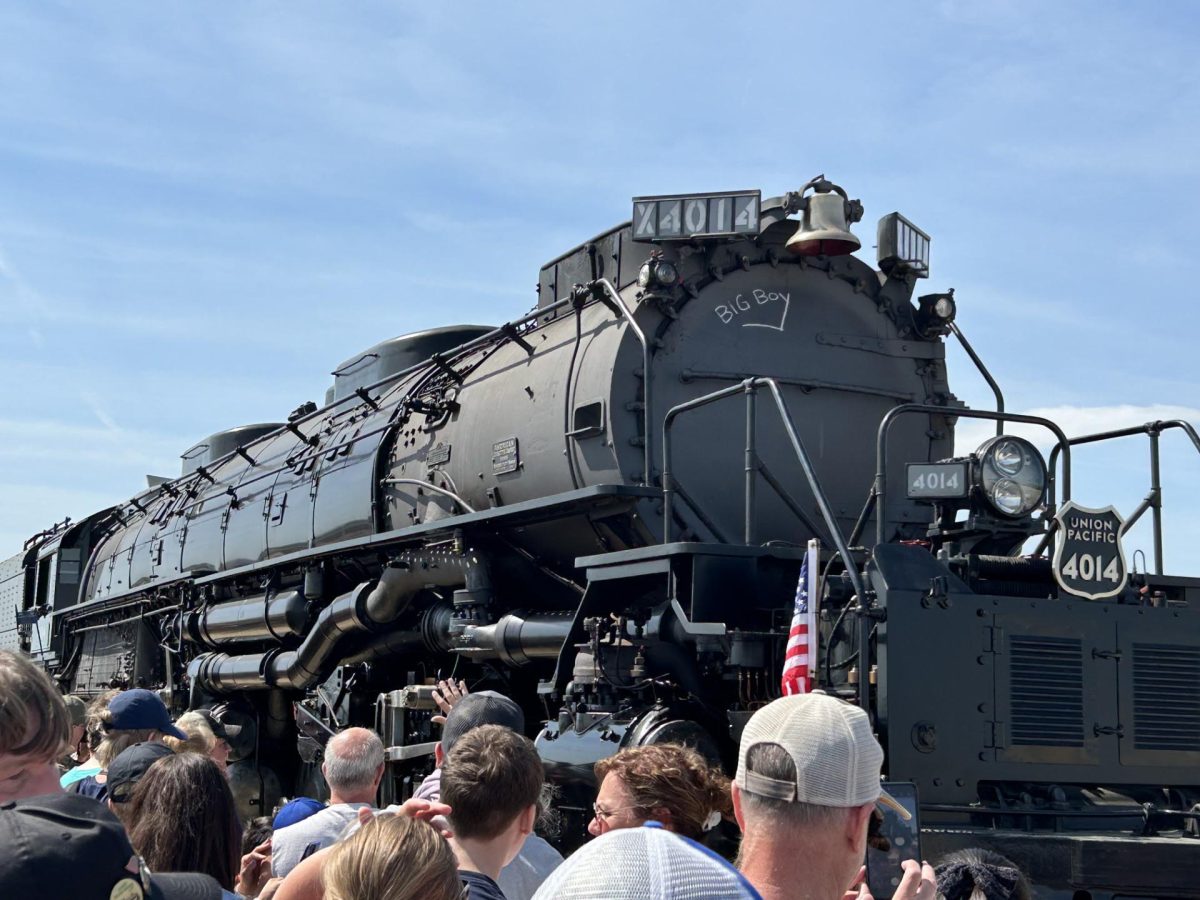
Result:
x=1089 y=560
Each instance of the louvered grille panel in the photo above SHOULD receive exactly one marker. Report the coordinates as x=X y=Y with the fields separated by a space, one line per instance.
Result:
x=1046 y=685
x=1166 y=697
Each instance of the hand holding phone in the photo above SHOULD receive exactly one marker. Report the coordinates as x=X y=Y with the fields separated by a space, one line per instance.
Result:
x=892 y=839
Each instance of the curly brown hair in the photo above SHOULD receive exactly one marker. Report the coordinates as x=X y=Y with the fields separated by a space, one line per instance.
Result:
x=673 y=778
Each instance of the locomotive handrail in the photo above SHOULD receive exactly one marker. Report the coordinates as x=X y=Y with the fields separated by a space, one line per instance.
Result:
x=647 y=392
x=749 y=388
x=483 y=340
x=501 y=332
x=1152 y=500
x=878 y=495
x=983 y=370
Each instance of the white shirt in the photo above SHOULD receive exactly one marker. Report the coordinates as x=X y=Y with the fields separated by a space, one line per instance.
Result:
x=290 y=845
x=521 y=878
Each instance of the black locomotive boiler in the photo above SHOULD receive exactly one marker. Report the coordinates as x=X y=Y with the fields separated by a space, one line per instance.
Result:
x=600 y=509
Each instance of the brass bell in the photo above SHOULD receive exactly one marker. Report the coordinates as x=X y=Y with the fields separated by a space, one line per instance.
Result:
x=823 y=229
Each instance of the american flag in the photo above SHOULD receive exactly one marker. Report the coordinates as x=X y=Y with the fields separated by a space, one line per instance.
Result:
x=799 y=661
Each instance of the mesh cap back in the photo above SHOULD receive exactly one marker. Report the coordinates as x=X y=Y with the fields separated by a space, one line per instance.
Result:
x=482 y=708
x=647 y=863
x=837 y=758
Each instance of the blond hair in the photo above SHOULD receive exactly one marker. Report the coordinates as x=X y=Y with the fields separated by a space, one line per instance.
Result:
x=200 y=737
x=33 y=716
x=392 y=858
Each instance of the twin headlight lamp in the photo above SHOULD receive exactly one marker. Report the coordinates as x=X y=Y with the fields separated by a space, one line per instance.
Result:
x=1006 y=473
x=657 y=272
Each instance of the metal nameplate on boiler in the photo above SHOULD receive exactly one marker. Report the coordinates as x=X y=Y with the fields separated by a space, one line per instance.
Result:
x=438 y=456
x=937 y=481
x=681 y=217
x=506 y=456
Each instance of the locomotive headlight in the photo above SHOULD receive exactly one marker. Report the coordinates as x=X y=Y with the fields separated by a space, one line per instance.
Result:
x=1011 y=475
x=657 y=273
x=1008 y=458
x=902 y=247
x=1005 y=495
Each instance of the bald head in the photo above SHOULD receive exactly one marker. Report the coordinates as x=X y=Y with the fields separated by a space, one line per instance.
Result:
x=353 y=765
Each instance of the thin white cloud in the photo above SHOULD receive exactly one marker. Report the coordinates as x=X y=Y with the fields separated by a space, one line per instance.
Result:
x=93 y=403
x=32 y=445
x=30 y=508
x=1075 y=421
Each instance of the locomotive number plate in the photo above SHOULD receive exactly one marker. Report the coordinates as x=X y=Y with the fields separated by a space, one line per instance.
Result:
x=684 y=216
x=1089 y=560
x=937 y=481
x=506 y=456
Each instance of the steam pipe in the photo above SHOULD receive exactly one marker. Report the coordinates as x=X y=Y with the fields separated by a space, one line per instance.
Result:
x=369 y=607
x=430 y=634
x=260 y=618
x=518 y=638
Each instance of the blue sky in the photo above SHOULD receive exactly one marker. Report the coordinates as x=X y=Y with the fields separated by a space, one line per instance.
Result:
x=204 y=208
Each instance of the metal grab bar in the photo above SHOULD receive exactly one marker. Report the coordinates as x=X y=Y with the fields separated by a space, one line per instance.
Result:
x=983 y=370
x=749 y=388
x=1153 y=499
x=647 y=384
x=879 y=492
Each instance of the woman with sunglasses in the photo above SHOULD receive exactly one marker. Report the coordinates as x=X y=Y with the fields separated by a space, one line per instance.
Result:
x=664 y=783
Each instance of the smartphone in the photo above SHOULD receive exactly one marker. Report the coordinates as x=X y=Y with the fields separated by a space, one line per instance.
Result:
x=891 y=839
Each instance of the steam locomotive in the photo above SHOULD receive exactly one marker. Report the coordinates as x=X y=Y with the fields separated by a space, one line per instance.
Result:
x=601 y=509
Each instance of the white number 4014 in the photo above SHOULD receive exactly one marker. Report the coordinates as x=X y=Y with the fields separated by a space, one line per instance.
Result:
x=936 y=481
x=1088 y=567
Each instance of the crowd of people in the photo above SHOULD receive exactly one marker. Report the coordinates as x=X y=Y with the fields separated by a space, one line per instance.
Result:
x=113 y=800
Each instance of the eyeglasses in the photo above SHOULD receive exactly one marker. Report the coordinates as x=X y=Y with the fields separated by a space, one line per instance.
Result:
x=605 y=814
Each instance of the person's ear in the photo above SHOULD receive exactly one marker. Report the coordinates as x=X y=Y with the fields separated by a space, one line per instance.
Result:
x=439 y=755
x=738 y=815
x=528 y=819
x=379 y=773
x=663 y=815
x=857 y=819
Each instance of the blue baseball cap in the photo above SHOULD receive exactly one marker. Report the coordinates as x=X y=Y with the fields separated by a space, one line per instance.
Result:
x=296 y=811
x=141 y=709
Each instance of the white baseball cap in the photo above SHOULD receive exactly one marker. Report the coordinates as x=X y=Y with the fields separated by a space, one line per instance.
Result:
x=646 y=863
x=837 y=758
